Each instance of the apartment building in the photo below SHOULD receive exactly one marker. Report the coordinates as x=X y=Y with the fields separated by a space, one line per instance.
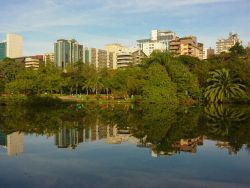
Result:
x=138 y=56
x=124 y=57
x=48 y=57
x=31 y=63
x=224 y=45
x=99 y=58
x=159 y=40
x=12 y=47
x=187 y=46
x=67 y=52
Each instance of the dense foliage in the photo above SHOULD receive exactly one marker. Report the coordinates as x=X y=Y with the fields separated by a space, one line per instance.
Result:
x=160 y=78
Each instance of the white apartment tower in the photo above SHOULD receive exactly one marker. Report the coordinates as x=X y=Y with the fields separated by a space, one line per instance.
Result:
x=14 y=45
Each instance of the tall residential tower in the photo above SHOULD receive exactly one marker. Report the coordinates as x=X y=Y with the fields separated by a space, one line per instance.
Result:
x=67 y=52
x=12 y=47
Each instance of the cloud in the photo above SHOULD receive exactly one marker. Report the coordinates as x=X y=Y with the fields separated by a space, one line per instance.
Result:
x=33 y=15
x=96 y=22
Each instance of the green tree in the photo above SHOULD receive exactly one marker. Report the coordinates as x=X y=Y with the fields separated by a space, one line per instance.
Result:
x=158 y=86
x=8 y=71
x=223 y=85
x=238 y=49
x=25 y=83
x=159 y=57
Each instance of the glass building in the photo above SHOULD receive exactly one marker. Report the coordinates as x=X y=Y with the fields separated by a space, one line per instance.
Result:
x=3 y=50
x=67 y=52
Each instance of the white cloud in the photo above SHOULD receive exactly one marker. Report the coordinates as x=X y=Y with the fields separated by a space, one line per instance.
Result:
x=58 y=18
x=52 y=13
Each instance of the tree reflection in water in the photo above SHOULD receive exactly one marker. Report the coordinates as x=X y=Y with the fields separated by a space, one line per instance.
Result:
x=166 y=130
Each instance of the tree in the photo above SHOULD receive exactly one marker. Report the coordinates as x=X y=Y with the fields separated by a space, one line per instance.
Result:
x=158 y=86
x=223 y=85
x=189 y=61
x=237 y=49
x=8 y=71
x=25 y=83
x=157 y=56
x=187 y=82
x=105 y=79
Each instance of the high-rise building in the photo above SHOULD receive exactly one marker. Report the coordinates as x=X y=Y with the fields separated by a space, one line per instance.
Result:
x=124 y=57
x=187 y=46
x=49 y=57
x=67 y=52
x=3 y=50
x=97 y=57
x=148 y=46
x=138 y=56
x=224 y=45
x=160 y=40
x=12 y=47
x=121 y=56
x=201 y=51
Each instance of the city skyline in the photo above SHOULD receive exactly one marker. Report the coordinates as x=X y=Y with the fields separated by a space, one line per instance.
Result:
x=108 y=21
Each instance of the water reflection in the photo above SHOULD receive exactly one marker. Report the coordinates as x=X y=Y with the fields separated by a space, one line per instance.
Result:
x=166 y=131
x=13 y=143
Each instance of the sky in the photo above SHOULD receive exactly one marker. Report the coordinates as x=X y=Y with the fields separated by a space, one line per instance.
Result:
x=95 y=23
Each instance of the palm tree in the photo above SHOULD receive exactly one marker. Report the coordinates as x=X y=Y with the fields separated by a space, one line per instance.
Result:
x=223 y=85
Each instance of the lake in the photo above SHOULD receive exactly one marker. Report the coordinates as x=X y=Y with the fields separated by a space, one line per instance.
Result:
x=125 y=146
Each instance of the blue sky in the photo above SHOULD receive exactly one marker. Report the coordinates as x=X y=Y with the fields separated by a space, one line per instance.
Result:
x=95 y=23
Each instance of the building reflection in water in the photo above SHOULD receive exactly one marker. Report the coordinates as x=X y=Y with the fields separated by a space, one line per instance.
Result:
x=111 y=134
x=12 y=142
x=71 y=137
x=183 y=145
x=226 y=145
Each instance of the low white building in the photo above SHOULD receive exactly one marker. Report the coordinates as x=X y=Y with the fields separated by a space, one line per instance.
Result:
x=31 y=63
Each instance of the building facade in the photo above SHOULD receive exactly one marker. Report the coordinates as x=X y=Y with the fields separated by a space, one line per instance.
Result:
x=67 y=52
x=99 y=58
x=12 y=47
x=160 y=40
x=31 y=63
x=138 y=56
x=224 y=45
x=3 y=50
x=124 y=57
x=187 y=46
x=48 y=57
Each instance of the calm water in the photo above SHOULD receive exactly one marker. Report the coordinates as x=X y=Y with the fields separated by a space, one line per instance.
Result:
x=125 y=146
